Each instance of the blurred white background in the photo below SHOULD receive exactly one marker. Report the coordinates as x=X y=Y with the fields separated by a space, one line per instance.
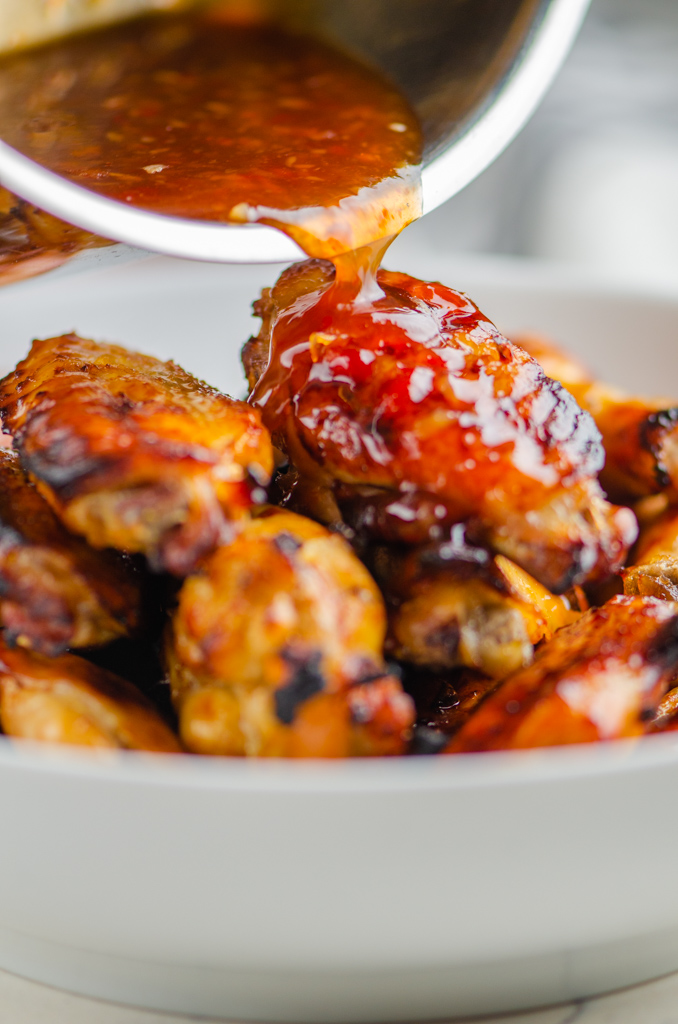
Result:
x=593 y=179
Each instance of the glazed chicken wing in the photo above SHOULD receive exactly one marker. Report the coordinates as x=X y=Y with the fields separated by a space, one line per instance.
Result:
x=640 y=435
x=32 y=241
x=452 y=604
x=416 y=393
x=68 y=700
x=654 y=572
x=55 y=591
x=275 y=649
x=134 y=453
x=600 y=678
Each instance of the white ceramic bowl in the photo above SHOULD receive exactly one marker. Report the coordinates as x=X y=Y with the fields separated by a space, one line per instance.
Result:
x=364 y=891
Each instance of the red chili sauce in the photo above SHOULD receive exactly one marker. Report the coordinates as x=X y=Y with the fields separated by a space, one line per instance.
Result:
x=193 y=116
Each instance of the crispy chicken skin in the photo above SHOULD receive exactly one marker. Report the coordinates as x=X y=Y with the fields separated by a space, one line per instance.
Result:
x=601 y=678
x=452 y=604
x=417 y=392
x=654 y=572
x=640 y=435
x=68 y=700
x=134 y=453
x=275 y=649
x=55 y=591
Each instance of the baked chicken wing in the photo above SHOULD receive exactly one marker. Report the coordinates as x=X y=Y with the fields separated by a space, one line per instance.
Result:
x=55 y=591
x=32 y=241
x=275 y=649
x=134 y=453
x=640 y=435
x=68 y=700
x=600 y=678
x=654 y=572
x=452 y=604
x=416 y=393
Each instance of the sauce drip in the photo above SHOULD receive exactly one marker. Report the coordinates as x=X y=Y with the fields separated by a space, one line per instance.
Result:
x=193 y=116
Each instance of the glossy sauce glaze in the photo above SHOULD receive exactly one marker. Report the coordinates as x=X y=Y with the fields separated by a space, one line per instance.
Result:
x=392 y=381
x=194 y=116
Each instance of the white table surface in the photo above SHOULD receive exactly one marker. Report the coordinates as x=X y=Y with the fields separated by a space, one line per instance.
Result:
x=24 y=1002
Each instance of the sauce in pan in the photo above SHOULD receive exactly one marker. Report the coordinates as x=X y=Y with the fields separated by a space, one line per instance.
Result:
x=197 y=117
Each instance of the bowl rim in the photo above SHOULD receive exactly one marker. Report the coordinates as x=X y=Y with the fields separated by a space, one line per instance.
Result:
x=393 y=775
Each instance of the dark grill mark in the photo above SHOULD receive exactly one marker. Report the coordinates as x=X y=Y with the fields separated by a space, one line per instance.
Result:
x=307 y=679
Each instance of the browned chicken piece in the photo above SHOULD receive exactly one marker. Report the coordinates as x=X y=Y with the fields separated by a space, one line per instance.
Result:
x=452 y=604
x=32 y=241
x=640 y=435
x=275 y=649
x=417 y=394
x=134 y=453
x=601 y=678
x=666 y=717
x=55 y=591
x=654 y=572
x=69 y=700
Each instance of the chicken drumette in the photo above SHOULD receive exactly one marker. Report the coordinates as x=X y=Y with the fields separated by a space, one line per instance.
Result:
x=640 y=435
x=55 y=591
x=410 y=403
x=68 y=700
x=275 y=649
x=601 y=678
x=134 y=453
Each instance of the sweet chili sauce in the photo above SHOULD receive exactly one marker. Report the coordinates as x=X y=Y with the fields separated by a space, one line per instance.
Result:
x=195 y=116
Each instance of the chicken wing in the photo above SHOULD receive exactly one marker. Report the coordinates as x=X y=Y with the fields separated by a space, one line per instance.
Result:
x=654 y=572
x=415 y=392
x=640 y=435
x=600 y=678
x=32 y=241
x=55 y=591
x=134 y=453
x=452 y=604
x=68 y=700
x=275 y=649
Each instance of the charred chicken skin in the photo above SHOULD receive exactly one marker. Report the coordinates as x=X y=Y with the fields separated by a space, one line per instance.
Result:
x=68 y=700
x=275 y=649
x=55 y=591
x=600 y=678
x=414 y=392
x=640 y=435
x=134 y=453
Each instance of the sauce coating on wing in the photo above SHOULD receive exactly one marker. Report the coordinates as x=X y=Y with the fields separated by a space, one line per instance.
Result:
x=134 y=453
x=55 y=591
x=411 y=388
x=598 y=679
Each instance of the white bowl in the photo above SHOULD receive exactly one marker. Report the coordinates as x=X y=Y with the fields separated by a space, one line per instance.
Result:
x=363 y=891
